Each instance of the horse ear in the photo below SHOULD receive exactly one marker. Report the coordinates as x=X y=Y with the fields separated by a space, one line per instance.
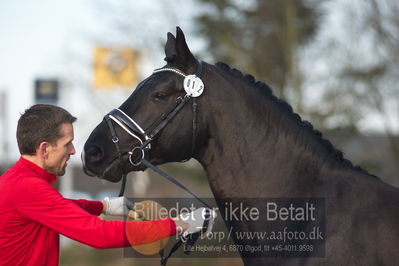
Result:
x=170 y=48
x=185 y=58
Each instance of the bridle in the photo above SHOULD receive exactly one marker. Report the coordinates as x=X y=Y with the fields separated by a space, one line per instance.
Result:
x=145 y=137
x=193 y=87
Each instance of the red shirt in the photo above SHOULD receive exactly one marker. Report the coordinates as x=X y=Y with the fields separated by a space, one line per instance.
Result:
x=33 y=214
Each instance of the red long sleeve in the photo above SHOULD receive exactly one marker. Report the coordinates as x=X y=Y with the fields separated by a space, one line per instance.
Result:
x=33 y=214
x=92 y=207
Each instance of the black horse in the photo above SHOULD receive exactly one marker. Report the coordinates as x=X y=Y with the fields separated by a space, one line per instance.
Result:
x=252 y=146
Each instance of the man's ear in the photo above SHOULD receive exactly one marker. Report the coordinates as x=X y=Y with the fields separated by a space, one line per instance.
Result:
x=42 y=150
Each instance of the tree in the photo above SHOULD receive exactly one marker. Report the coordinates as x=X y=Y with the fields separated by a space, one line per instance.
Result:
x=359 y=55
x=262 y=38
x=373 y=71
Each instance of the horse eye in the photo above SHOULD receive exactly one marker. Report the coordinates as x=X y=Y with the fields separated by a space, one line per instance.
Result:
x=160 y=95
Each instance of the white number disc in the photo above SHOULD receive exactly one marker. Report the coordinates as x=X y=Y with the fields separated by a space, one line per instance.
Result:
x=193 y=85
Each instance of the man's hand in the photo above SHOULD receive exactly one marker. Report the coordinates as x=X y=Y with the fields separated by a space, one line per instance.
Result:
x=115 y=206
x=200 y=220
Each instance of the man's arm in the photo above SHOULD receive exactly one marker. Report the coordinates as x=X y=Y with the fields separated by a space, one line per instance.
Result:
x=39 y=201
x=91 y=206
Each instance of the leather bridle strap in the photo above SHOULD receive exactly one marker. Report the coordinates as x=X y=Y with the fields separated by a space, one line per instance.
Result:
x=164 y=120
x=115 y=140
x=195 y=127
x=171 y=179
x=198 y=73
x=189 y=240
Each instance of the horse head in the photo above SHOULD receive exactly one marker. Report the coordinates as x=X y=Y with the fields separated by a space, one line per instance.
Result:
x=158 y=121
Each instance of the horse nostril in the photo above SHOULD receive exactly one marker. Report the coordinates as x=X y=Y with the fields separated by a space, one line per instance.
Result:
x=95 y=153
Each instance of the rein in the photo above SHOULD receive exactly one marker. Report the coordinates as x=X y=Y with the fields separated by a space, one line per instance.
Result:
x=194 y=87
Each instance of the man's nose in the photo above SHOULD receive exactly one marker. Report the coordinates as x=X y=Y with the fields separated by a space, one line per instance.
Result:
x=72 y=151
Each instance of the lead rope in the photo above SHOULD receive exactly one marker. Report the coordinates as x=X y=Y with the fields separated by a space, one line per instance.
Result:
x=123 y=185
x=189 y=239
x=173 y=180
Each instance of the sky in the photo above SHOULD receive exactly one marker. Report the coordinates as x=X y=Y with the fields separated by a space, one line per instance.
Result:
x=54 y=39
x=33 y=37
x=35 y=33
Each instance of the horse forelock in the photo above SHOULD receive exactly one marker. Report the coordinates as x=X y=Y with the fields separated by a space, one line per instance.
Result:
x=263 y=89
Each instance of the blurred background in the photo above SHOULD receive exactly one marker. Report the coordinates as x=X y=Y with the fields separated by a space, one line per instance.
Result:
x=335 y=61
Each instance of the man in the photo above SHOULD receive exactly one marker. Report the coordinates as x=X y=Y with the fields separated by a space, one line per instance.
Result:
x=33 y=213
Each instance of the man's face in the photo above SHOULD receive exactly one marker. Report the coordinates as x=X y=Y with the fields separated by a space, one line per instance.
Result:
x=59 y=154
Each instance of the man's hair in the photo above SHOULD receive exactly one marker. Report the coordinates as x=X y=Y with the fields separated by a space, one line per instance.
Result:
x=41 y=122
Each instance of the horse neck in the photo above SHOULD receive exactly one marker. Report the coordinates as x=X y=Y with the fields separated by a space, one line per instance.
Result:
x=255 y=146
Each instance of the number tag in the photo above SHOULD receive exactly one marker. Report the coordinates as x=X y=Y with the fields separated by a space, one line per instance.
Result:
x=193 y=85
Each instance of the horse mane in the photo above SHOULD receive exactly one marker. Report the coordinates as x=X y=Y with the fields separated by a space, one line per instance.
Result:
x=265 y=90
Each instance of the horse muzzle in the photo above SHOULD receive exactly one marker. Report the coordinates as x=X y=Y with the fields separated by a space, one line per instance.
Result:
x=85 y=169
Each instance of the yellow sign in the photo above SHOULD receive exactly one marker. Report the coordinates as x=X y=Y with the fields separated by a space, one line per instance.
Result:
x=114 y=68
